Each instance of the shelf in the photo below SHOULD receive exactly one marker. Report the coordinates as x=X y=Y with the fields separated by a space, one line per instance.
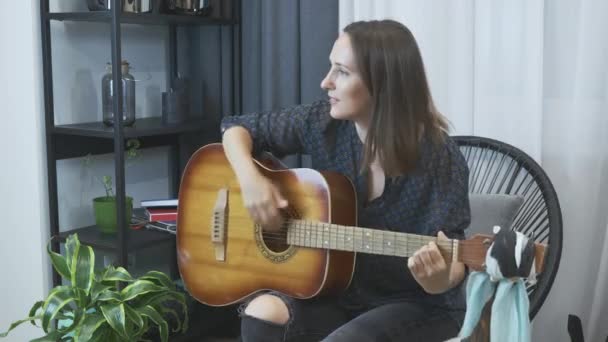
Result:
x=137 y=239
x=139 y=18
x=144 y=127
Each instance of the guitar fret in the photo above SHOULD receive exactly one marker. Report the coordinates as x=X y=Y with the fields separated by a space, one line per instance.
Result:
x=334 y=234
x=319 y=237
x=348 y=238
x=378 y=241
x=390 y=243
x=371 y=243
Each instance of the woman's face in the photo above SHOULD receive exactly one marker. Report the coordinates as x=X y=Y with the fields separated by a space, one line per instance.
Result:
x=348 y=95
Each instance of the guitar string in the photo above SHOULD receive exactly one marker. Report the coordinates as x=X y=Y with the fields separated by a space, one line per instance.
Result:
x=406 y=242
x=339 y=234
x=307 y=230
x=399 y=241
x=350 y=240
x=398 y=247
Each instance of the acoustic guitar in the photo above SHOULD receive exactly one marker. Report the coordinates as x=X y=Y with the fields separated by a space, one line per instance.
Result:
x=224 y=257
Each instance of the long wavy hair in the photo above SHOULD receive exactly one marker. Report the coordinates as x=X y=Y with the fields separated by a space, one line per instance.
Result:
x=402 y=108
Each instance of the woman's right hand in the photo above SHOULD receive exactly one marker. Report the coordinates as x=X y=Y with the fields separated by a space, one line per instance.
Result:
x=263 y=200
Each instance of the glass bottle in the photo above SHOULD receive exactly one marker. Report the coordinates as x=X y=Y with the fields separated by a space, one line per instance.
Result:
x=128 y=96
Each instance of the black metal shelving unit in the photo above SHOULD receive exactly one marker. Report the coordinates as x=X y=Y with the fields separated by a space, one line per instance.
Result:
x=76 y=140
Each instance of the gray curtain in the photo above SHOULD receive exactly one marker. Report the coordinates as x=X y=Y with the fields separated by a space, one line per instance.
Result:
x=286 y=46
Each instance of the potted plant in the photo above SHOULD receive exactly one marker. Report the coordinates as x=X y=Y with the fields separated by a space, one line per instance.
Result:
x=94 y=307
x=104 y=207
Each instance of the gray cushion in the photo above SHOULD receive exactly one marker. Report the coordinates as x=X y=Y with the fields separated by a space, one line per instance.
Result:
x=489 y=210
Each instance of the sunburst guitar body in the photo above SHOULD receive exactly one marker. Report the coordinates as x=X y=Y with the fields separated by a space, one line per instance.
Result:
x=225 y=257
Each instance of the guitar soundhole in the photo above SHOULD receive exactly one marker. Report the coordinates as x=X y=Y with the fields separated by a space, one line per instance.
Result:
x=273 y=245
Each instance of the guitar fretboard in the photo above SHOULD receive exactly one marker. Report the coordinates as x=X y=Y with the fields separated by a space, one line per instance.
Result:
x=362 y=240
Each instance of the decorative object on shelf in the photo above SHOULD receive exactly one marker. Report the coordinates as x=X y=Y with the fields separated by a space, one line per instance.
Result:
x=176 y=102
x=161 y=214
x=99 y=5
x=192 y=7
x=160 y=203
x=128 y=96
x=137 y=6
x=105 y=212
x=93 y=306
x=105 y=207
x=130 y=6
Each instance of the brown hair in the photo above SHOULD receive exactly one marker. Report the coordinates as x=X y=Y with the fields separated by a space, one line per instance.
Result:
x=402 y=109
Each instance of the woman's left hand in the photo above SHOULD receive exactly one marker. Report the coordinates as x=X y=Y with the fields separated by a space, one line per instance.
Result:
x=430 y=269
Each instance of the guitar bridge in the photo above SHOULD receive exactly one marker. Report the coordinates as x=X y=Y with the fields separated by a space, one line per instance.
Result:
x=218 y=224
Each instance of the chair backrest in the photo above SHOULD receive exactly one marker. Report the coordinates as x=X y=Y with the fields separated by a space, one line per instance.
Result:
x=499 y=168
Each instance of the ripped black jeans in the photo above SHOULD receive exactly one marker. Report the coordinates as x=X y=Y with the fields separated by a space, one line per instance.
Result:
x=327 y=320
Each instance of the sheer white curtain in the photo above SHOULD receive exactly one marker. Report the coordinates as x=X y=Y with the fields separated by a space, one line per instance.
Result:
x=534 y=74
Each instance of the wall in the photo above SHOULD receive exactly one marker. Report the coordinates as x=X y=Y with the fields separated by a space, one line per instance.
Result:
x=25 y=275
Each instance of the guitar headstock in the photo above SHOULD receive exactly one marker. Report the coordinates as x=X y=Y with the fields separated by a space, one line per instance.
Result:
x=472 y=252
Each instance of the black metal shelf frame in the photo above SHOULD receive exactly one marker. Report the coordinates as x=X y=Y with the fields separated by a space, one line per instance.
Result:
x=141 y=128
x=137 y=239
x=68 y=141
x=140 y=18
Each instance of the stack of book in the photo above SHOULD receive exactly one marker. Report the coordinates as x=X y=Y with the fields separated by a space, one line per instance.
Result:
x=161 y=214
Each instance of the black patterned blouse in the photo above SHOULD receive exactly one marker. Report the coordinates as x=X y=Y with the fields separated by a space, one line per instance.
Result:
x=433 y=197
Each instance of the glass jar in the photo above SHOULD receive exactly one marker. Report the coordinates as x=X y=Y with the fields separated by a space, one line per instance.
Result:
x=128 y=96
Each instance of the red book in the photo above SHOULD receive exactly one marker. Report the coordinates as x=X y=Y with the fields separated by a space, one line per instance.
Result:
x=161 y=214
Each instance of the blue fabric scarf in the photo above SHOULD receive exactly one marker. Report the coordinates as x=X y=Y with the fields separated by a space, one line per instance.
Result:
x=508 y=260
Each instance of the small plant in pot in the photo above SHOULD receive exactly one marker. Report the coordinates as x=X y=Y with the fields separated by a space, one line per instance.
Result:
x=94 y=307
x=104 y=207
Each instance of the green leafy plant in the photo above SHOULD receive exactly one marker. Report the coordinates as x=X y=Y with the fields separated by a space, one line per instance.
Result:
x=94 y=307
x=132 y=153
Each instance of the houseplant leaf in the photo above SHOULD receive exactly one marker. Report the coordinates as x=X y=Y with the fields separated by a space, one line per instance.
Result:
x=58 y=298
x=59 y=262
x=53 y=336
x=117 y=274
x=89 y=326
x=115 y=316
x=139 y=288
x=71 y=245
x=83 y=268
x=158 y=300
x=159 y=278
x=156 y=317
x=135 y=318
x=19 y=322
x=34 y=309
x=109 y=296
x=97 y=289
x=173 y=313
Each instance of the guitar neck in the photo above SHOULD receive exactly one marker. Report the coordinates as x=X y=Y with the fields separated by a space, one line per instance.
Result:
x=363 y=240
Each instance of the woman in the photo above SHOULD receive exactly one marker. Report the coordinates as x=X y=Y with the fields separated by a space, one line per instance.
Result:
x=381 y=130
